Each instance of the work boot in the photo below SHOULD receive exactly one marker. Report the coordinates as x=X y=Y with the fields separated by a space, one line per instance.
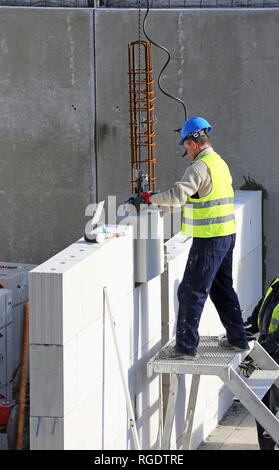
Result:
x=224 y=343
x=171 y=353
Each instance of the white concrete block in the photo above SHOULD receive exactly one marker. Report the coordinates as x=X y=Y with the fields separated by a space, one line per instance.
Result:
x=149 y=246
x=46 y=433
x=89 y=364
x=115 y=416
x=147 y=392
x=148 y=428
x=71 y=387
x=248 y=215
x=78 y=250
x=176 y=268
x=82 y=297
x=46 y=380
x=118 y=267
x=61 y=377
x=150 y=310
x=65 y=297
x=246 y=313
x=247 y=275
x=144 y=397
x=126 y=321
x=178 y=245
x=210 y=324
x=83 y=426
x=67 y=294
x=81 y=429
x=45 y=291
x=137 y=318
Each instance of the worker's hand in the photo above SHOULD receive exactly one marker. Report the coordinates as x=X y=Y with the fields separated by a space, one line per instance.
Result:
x=146 y=197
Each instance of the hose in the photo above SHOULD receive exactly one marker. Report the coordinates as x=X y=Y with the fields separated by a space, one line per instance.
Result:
x=165 y=65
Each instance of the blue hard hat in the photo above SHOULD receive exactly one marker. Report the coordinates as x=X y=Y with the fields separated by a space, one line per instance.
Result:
x=192 y=125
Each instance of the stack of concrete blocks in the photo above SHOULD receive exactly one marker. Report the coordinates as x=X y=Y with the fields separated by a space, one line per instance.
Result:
x=14 y=277
x=214 y=398
x=6 y=344
x=76 y=394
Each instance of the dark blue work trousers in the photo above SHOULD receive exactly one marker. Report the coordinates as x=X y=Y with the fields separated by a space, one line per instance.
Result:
x=208 y=272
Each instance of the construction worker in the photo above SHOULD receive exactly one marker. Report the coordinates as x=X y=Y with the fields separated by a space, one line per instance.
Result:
x=206 y=192
x=265 y=320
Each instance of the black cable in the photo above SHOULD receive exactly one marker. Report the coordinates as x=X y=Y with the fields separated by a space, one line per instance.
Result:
x=169 y=57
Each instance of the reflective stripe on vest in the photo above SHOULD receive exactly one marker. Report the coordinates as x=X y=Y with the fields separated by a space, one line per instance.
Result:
x=213 y=220
x=213 y=215
x=274 y=320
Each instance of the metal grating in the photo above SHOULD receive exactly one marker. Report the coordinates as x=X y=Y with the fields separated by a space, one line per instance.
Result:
x=212 y=359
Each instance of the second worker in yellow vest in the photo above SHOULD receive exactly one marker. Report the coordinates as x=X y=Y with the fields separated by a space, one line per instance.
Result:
x=206 y=193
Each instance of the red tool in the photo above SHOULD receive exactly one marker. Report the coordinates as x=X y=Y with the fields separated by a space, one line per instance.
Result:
x=5 y=411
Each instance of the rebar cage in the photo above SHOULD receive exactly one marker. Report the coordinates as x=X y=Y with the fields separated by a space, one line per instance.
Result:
x=141 y=101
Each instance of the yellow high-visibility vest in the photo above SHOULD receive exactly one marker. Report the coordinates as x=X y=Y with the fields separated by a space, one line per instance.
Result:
x=274 y=321
x=212 y=215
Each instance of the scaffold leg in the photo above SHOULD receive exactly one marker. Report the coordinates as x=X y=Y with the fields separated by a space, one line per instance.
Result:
x=186 y=438
x=175 y=379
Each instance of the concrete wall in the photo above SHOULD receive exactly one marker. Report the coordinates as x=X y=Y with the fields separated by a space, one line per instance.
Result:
x=47 y=171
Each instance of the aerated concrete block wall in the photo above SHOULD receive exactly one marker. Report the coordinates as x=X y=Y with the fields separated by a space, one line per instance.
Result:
x=77 y=399
x=76 y=394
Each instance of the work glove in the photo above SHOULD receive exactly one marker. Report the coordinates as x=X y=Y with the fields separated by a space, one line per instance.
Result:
x=146 y=197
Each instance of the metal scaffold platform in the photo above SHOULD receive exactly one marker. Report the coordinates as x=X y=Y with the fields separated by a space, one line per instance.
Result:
x=227 y=364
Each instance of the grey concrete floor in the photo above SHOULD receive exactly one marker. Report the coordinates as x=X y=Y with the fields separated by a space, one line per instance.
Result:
x=236 y=431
